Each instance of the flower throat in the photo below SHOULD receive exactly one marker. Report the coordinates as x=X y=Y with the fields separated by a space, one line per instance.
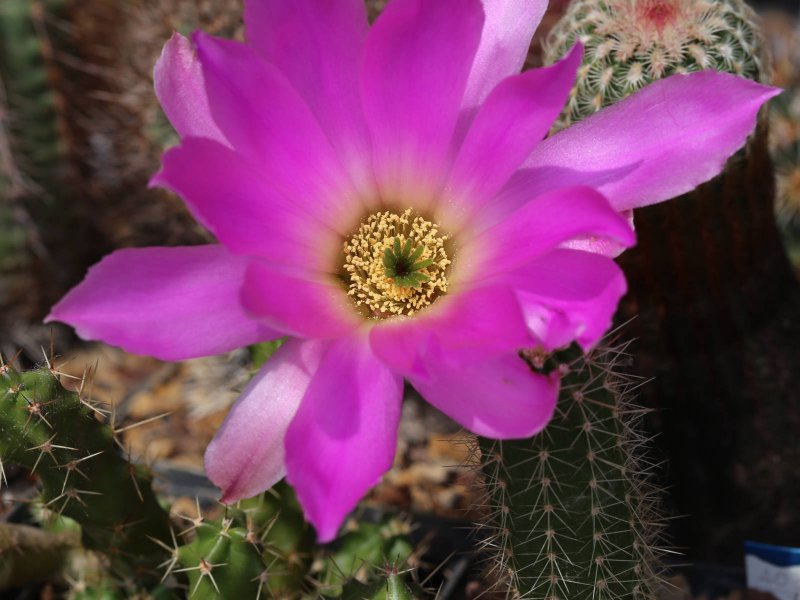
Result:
x=395 y=264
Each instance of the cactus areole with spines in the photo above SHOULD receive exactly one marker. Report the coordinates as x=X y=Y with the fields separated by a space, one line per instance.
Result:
x=630 y=43
x=417 y=128
x=58 y=435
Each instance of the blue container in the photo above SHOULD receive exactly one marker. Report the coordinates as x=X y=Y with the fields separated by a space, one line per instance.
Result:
x=773 y=569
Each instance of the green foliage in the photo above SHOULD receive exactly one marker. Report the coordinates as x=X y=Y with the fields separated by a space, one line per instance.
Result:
x=573 y=516
x=260 y=353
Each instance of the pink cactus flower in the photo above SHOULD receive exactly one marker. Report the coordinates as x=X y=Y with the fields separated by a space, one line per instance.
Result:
x=383 y=196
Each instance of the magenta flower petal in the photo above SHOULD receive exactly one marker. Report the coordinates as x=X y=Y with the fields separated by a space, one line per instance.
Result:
x=505 y=41
x=413 y=82
x=272 y=127
x=513 y=120
x=546 y=222
x=318 y=45
x=246 y=456
x=568 y=295
x=286 y=301
x=499 y=398
x=247 y=214
x=336 y=449
x=180 y=90
x=171 y=303
x=600 y=245
x=483 y=322
x=665 y=139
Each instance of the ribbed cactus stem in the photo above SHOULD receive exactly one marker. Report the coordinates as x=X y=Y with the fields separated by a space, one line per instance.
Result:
x=263 y=548
x=710 y=284
x=26 y=56
x=629 y=43
x=572 y=514
x=62 y=438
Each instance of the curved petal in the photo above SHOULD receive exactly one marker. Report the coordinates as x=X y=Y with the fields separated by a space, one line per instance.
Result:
x=546 y=222
x=181 y=91
x=300 y=307
x=344 y=435
x=568 y=295
x=499 y=398
x=664 y=140
x=246 y=213
x=246 y=455
x=270 y=125
x=505 y=40
x=412 y=84
x=480 y=323
x=513 y=120
x=318 y=46
x=171 y=303
x=600 y=245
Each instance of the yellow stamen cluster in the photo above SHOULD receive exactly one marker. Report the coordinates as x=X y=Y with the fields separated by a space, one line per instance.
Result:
x=372 y=285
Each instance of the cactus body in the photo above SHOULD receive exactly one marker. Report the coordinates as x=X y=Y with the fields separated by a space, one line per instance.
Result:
x=572 y=514
x=711 y=286
x=224 y=562
x=57 y=435
x=629 y=43
x=264 y=548
x=391 y=588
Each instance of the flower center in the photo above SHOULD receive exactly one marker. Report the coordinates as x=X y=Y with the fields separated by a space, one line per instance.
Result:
x=395 y=264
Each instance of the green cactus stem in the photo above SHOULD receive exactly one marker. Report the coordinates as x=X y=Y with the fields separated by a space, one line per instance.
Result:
x=629 y=43
x=391 y=587
x=716 y=303
x=64 y=440
x=38 y=170
x=263 y=548
x=360 y=553
x=572 y=515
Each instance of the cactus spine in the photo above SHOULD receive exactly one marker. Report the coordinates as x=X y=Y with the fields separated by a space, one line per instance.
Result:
x=710 y=283
x=60 y=436
x=572 y=514
x=263 y=548
x=629 y=43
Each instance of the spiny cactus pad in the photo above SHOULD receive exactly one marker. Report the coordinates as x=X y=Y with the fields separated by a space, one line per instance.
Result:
x=263 y=548
x=68 y=444
x=629 y=43
x=572 y=515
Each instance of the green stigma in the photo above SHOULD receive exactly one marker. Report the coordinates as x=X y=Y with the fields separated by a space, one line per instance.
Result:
x=403 y=265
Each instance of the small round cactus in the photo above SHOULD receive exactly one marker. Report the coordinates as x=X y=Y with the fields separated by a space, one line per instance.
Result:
x=629 y=43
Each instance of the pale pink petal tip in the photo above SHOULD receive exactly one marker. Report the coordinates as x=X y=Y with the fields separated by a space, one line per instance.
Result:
x=181 y=91
x=246 y=456
x=505 y=40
